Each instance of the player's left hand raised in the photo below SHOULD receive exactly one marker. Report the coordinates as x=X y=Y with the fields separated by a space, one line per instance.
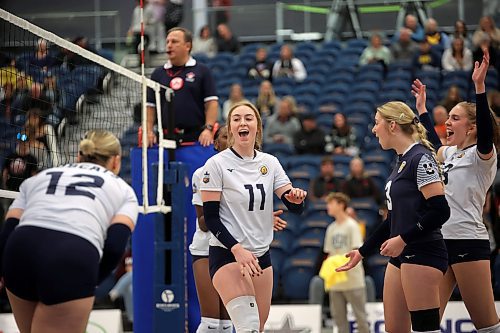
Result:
x=296 y=195
x=392 y=247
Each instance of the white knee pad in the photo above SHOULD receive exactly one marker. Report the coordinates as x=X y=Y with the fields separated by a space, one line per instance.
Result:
x=244 y=314
x=225 y=326
x=491 y=329
x=208 y=325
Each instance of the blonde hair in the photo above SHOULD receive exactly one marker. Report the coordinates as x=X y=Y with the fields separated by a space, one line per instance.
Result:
x=409 y=123
x=292 y=103
x=258 y=136
x=98 y=146
x=470 y=112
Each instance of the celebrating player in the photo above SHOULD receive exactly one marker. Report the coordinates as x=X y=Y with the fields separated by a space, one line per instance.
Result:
x=236 y=189
x=66 y=231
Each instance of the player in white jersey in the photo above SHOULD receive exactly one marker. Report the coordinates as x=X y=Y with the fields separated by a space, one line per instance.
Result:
x=66 y=231
x=236 y=188
x=469 y=161
x=214 y=317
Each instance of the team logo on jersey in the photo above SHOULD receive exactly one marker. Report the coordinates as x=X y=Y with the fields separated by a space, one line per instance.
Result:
x=177 y=83
x=401 y=167
x=462 y=154
x=195 y=188
x=190 y=77
x=263 y=170
x=206 y=177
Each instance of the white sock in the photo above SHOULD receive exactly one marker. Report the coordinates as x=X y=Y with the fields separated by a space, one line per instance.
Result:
x=208 y=325
x=492 y=329
x=226 y=326
x=244 y=314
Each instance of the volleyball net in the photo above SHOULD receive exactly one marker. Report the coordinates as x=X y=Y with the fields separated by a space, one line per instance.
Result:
x=52 y=91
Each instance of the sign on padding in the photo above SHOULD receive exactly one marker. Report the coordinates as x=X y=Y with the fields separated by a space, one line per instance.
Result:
x=294 y=319
x=100 y=321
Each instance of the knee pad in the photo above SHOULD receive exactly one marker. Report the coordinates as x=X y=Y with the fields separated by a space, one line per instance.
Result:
x=226 y=326
x=491 y=329
x=425 y=320
x=244 y=314
x=208 y=325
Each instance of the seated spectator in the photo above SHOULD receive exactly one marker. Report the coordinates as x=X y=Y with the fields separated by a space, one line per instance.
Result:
x=326 y=182
x=417 y=32
x=426 y=58
x=204 y=43
x=42 y=59
x=289 y=66
x=436 y=38
x=360 y=185
x=235 y=96
x=310 y=139
x=261 y=69
x=50 y=95
x=342 y=137
x=404 y=48
x=457 y=57
x=226 y=41
x=27 y=97
x=485 y=43
x=452 y=98
x=283 y=125
x=18 y=166
x=440 y=115
x=266 y=100
x=41 y=139
x=341 y=237
x=9 y=73
x=6 y=99
x=375 y=52
x=462 y=32
x=486 y=26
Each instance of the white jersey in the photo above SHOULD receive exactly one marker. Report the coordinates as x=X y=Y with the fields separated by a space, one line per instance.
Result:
x=199 y=246
x=467 y=179
x=247 y=186
x=78 y=198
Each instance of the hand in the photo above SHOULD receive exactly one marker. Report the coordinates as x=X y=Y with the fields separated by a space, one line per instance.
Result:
x=392 y=247
x=206 y=138
x=296 y=195
x=247 y=260
x=418 y=90
x=354 y=258
x=151 y=138
x=480 y=70
x=278 y=223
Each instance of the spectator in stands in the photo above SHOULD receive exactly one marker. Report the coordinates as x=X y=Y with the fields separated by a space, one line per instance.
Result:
x=289 y=66
x=42 y=59
x=6 y=99
x=205 y=43
x=359 y=185
x=50 y=95
x=436 y=38
x=40 y=139
x=485 y=43
x=417 y=32
x=9 y=73
x=486 y=26
x=326 y=182
x=235 y=96
x=226 y=41
x=27 y=97
x=440 y=115
x=342 y=236
x=376 y=52
x=404 y=49
x=266 y=101
x=261 y=69
x=134 y=31
x=18 y=166
x=457 y=57
x=310 y=139
x=462 y=32
x=283 y=125
x=342 y=137
x=426 y=58
x=452 y=98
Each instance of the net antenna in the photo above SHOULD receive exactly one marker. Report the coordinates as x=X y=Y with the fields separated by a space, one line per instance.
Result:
x=101 y=62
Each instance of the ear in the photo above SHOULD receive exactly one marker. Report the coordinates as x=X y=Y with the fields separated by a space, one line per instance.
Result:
x=392 y=125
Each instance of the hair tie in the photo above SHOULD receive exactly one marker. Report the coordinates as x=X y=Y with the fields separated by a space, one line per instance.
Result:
x=415 y=120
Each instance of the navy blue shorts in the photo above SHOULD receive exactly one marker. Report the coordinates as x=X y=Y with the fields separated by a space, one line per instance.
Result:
x=465 y=250
x=431 y=254
x=194 y=258
x=48 y=266
x=219 y=256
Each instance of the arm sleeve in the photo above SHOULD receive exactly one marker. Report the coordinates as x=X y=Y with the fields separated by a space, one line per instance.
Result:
x=484 y=125
x=426 y=120
x=114 y=246
x=211 y=211
x=380 y=235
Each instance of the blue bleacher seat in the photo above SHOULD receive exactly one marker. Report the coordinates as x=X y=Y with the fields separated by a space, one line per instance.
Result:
x=389 y=96
x=341 y=76
x=376 y=265
x=307 y=103
x=314 y=78
x=399 y=75
x=373 y=67
x=307 y=89
x=368 y=86
x=332 y=45
x=295 y=277
x=282 y=90
x=250 y=48
x=357 y=43
x=396 y=66
x=356 y=106
x=403 y=86
x=367 y=98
